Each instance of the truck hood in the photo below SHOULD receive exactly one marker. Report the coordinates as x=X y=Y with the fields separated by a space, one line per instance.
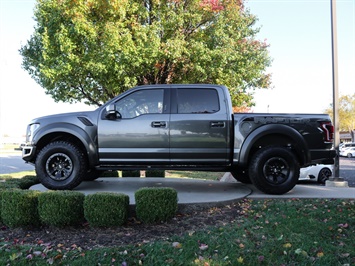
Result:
x=64 y=116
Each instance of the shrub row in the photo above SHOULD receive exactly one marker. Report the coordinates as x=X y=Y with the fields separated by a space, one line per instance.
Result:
x=23 y=183
x=21 y=208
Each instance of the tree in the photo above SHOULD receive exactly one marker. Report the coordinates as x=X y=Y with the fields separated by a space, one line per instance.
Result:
x=346 y=114
x=92 y=50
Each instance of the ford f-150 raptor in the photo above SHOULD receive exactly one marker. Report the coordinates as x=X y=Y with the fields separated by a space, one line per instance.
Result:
x=178 y=126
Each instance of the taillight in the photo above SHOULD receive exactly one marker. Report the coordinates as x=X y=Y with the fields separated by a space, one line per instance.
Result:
x=328 y=130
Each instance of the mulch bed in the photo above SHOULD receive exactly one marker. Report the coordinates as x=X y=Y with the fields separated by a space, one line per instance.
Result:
x=133 y=232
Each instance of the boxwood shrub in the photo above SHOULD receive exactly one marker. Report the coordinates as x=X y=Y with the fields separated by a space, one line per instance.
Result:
x=154 y=173
x=110 y=174
x=132 y=173
x=106 y=209
x=61 y=208
x=25 y=182
x=156 y=204
x=19 y=207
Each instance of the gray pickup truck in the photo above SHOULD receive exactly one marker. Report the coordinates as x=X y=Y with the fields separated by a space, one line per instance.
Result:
x=184 y=127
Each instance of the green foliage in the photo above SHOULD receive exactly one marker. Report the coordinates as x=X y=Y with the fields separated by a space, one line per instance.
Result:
x=19 y=207
x=10 y=184
x=92 y=50
x=106 y=209
x=156 y=204
x=346 y=112
x=61 y=208
x=154 y=173
x=133 y=173
x=109 y=174
x=28 y=181
x=22 y=183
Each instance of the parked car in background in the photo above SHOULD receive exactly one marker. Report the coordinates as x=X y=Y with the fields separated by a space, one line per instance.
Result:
x=344 y=146
x=319 y=173
x=347 y=152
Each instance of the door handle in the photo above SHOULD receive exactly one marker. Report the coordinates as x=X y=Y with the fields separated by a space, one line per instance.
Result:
x=218 y=124
x=158 y=124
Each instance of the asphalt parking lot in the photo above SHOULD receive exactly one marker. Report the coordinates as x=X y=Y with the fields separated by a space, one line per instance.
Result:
x=347 y=170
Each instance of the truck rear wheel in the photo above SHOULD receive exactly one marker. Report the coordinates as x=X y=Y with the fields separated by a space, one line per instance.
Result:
x=274 y=170
x=60 y=165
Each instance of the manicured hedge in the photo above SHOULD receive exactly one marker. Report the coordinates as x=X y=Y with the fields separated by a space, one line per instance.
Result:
x=19 y=207
x=133 y=173
x=154 y=173
x=156 y=204
x=23 y=183
x=61 y=208
x=106 y=209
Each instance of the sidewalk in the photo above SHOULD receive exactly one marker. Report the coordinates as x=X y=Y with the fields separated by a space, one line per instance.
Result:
x=205 y=192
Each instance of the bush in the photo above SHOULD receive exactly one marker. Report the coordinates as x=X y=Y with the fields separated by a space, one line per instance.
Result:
x=106 y=209
x=23 y=183
x=28 y=181
x=61 y=208
x=19 y=207
x=154 y=173
x=133 y=173
x=155 y=204
x=109 y=174
x=9 y=184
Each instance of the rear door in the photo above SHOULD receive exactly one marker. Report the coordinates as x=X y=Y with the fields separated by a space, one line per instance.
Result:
x=141 y=135
x=199 y=126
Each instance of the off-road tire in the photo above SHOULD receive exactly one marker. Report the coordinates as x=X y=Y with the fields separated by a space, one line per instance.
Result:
x=274 y=170
x=61 y=166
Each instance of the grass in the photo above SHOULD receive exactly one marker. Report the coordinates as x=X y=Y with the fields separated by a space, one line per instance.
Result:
x=194 y=174
x=266 y=232
x=17 y=175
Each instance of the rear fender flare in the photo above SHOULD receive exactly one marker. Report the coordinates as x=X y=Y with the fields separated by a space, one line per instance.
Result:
x=298 y=140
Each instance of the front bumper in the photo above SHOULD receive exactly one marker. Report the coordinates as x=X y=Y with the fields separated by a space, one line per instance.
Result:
x=28 y=153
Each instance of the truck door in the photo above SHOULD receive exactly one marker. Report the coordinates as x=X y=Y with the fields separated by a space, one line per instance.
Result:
x=199 y=126
x=140 y=133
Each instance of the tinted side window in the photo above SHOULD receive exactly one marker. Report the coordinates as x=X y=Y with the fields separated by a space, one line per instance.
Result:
x=197 y=101
x=140 y=103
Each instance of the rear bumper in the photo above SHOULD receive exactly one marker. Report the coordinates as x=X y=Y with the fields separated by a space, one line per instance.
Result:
x=323 y=156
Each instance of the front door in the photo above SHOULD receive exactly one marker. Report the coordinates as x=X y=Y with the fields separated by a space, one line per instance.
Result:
x=140 y=134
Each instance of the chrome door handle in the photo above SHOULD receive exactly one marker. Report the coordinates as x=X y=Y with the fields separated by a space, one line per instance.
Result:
x=158 y=124
x=218 y=124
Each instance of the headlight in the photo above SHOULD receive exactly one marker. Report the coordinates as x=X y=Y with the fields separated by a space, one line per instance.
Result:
x=30 y=131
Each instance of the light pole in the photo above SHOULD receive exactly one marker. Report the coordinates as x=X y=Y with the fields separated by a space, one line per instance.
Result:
x=335 y=180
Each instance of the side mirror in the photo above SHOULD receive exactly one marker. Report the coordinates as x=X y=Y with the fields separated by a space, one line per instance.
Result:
x=111 y=113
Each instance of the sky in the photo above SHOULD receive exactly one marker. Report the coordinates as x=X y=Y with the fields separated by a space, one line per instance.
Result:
x=298 y=32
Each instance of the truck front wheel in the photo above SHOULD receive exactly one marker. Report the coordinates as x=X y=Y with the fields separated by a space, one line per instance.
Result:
x=60 y=165
x=274 y=170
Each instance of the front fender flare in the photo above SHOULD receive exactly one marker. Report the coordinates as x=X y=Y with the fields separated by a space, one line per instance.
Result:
x=65 y=128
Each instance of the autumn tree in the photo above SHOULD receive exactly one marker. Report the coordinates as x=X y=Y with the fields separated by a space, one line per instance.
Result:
x=92 y=50
x=346 y=113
